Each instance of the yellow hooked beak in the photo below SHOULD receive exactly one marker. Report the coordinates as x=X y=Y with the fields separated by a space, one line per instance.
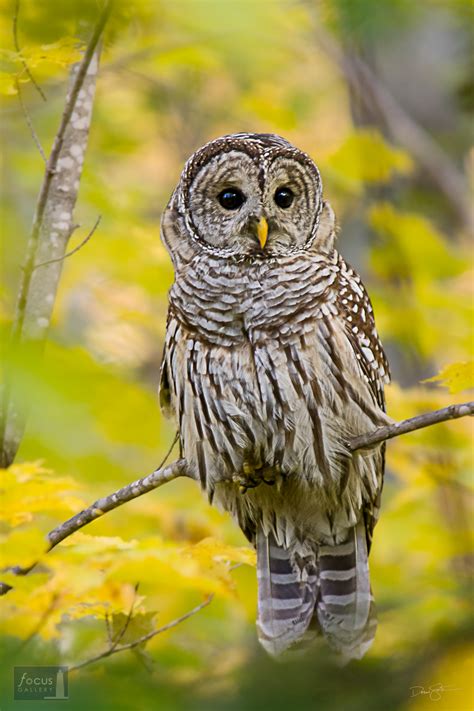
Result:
x=262 y=232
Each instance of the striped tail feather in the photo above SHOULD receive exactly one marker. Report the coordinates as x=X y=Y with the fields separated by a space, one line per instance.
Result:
x=287 y=586
x=345 y=607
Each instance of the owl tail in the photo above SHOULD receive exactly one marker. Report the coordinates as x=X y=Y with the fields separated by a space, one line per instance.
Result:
x=345 y=609
x=287 y=585
x=321 y=590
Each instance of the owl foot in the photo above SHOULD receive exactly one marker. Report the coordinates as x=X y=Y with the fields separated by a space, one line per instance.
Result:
x=252 y=477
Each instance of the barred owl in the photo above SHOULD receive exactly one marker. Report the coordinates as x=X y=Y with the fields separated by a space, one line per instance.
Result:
x=271 y=364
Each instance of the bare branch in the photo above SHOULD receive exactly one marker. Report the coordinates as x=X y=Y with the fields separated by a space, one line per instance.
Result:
x=29 y=122
x=23 y=61
x=113 y=501
x=166 y=457
x=72 y=251
x=108 y=629
x=51 y=231
x=146 y=637
x=115 y=642
x=404 y=129
x=381 y=434
x=101 y=506
x=178 y=468
x=39 y=626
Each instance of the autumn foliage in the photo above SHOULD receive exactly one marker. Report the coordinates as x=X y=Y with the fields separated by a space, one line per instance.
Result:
x=172 y=76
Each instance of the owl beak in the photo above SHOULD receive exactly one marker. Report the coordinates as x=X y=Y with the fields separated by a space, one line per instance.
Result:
x=262 y=232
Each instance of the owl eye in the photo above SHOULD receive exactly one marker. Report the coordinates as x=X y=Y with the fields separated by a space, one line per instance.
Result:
x=231 y=198
x=284 y=197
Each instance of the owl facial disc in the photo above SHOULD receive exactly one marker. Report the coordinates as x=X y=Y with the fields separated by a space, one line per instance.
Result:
x=250 y=196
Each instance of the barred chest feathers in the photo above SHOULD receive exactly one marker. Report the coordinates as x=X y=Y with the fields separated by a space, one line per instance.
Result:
x=262 y=374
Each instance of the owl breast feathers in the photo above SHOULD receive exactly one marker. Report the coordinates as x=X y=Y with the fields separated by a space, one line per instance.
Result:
x=272 y=363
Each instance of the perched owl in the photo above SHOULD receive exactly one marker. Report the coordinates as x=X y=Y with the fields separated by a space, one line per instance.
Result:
x=272 y=363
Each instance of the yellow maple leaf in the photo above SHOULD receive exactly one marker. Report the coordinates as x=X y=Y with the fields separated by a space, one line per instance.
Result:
x=22 y=547
x=62 y=53
x=29 y=489
x=9 y=83
x=211 y=549
x=366 y=157
x=456 y=377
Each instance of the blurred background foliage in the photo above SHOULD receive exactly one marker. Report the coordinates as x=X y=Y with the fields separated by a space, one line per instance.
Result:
x=175 y=74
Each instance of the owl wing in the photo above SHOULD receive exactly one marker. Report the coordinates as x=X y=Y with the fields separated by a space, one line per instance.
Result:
x=332 y=594
x=355 y=370
x=357 y=314
x=356 y=309
x=164 y=389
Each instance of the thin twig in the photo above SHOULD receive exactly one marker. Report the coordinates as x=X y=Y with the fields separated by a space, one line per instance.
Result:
x=381 y=434
x=108 y=629
x=23 y=60
x=120 y=635
x=72 y=251
x=165 y=458
x=29 y=122
x=145 y=637
x=42 y=621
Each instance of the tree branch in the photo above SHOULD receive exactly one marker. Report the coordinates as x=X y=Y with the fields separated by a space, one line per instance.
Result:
x=52 y=227
x=115 y=641
x=141 y=640
x=26 y=68
x=108 y=503
x=39 y=626
x=72 y=251
x=29 y=123
x=176 y=469
x=23 y=60
x=381 y=434
x=137 y=488
x=404 y=129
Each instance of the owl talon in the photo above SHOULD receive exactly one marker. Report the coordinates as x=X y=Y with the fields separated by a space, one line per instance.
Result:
x=252 y=476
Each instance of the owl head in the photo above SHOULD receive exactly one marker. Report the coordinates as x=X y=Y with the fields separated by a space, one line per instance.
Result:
x=247 y=197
